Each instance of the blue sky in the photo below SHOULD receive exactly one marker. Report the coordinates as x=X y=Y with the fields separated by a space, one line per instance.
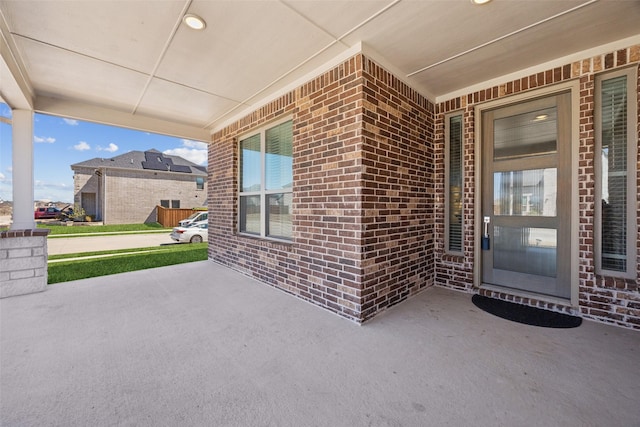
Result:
x=59 y=142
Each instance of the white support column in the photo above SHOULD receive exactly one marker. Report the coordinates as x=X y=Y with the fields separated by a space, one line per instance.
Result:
x=23 y=196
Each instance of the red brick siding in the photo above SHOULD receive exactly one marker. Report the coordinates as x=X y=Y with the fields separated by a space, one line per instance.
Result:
x=606 y=299
x=397 y=189
x=361 y=194
x=326 y=192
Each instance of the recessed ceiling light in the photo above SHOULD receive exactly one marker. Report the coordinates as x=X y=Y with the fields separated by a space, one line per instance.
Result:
x=480 y=1
x=541 y=117
x=194 y=21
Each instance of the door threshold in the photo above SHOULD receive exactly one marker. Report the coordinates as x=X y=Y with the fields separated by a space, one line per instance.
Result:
x=528 y=298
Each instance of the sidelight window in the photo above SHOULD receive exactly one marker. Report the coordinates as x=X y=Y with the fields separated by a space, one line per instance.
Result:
x=453 y=182
x=616 y=189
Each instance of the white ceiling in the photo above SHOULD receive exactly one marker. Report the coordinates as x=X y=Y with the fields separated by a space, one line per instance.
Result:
x=133 y=63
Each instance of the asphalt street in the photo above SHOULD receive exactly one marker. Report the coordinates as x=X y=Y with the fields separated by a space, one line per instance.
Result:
x=72 y=245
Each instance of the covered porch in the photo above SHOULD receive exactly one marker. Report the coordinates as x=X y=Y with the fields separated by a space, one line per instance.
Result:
x=173 y=346
x=371 y=207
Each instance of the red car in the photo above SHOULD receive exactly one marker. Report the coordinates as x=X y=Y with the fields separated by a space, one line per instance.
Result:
x=46 y=213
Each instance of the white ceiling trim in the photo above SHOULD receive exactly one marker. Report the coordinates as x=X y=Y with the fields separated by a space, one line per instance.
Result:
x=13 y=92
x=577 y=56
x=108 y=116
x=15 y=88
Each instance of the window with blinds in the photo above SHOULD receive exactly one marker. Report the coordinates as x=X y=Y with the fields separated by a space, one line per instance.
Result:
x=453 y=183
x=266 y=182
x=615 y=163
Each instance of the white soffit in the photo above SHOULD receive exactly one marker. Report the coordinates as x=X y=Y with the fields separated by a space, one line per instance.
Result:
x=251 y=41
x=415 y=34
x=130 y=34
x=135 y=58
x=547 y=43
x=283 y=85
x=195 y=108
x=558 y=62
x=60 y=73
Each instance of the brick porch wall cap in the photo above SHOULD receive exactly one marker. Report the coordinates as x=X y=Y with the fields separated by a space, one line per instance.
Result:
x=8 y=234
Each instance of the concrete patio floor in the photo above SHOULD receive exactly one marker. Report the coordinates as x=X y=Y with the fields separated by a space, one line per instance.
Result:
x=199 y=344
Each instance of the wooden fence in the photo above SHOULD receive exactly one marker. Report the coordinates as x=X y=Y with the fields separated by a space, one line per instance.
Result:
x=169 y=217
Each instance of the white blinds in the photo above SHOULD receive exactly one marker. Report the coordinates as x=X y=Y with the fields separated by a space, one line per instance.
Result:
x=455 y=184
x=614 y=174
x=279 y=160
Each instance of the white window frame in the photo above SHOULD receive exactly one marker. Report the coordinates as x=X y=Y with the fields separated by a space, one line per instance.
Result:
x=447 y=189
x=632 y=190
x=263 y=193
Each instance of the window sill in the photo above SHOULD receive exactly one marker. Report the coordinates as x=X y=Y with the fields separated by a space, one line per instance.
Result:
x=266 y=240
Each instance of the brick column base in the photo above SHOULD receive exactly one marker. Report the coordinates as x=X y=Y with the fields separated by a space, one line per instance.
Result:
x=23 y=262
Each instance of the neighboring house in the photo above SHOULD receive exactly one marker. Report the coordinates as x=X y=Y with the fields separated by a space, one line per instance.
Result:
x=126 y=189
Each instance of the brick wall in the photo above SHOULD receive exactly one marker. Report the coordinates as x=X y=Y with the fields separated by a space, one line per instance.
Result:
x=23 y=262
x=360 y=200
x=368 y=195
x=132 y=196
x=327 y=199
x=602 y=298
x=397 y=190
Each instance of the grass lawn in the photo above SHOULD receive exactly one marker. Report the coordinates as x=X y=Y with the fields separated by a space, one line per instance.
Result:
x=65 y=271
x=83 y=229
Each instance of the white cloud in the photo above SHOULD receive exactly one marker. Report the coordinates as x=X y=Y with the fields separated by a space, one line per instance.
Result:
x=2 y=177
x=194 y=151
x=39 y=184
x=194 y=144
x=111 y=148
x=10 y=169
x=71 y=122
x=44 y=190
x=199 y=157
x=82 y=146
x=48 y=140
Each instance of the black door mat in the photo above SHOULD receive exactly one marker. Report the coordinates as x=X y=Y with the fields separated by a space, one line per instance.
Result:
x=525 y=314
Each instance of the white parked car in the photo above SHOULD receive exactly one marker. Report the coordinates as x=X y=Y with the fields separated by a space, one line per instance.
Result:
x=194 y=233
x=194 y=217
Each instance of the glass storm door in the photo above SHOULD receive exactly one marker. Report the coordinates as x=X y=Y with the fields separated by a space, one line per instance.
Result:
x=526 y=185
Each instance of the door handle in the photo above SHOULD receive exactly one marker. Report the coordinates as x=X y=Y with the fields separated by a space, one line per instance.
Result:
x=486 y=241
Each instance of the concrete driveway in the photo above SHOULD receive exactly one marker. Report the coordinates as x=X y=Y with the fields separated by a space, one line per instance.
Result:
x=201 y=345
x=72 y=245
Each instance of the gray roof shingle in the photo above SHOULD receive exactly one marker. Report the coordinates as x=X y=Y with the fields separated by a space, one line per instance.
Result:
x=136 y=160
